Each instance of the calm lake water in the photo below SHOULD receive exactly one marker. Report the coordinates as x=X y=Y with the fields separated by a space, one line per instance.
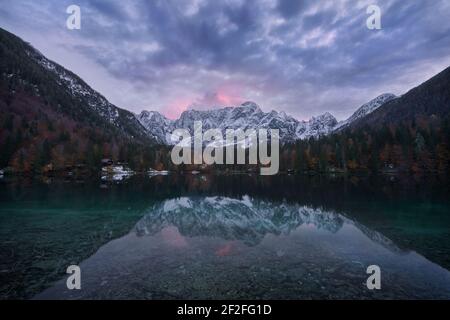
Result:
x=225 y=237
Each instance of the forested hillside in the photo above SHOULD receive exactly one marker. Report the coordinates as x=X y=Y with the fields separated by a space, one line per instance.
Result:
x=411 y=133
x=51 y=119
x=49 y=116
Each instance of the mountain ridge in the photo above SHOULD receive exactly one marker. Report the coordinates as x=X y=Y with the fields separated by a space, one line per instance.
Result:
x=431 y=97
x=249 y=115
x=51 y=116
x=65 y=79
x=52 y=120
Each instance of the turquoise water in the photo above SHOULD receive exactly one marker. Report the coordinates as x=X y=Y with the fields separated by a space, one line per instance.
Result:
x=225 y=237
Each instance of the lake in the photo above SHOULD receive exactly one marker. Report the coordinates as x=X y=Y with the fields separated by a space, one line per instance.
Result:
x=225 y=237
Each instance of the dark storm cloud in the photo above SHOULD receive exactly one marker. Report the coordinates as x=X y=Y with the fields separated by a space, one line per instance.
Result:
x=304 y=57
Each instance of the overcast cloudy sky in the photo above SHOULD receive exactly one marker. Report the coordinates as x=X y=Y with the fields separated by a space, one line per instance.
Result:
x=303 y=57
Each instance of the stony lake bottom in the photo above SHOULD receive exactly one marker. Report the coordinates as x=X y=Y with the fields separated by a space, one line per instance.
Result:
x=225 y=237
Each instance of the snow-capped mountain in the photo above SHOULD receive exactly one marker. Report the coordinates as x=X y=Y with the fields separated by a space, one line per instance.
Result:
x=246 y=219
x=367 y=108
x=316 y=126
x=62 y=110
x=249 y=115
x=246 y=116
x=81 y=92
x=156 y=125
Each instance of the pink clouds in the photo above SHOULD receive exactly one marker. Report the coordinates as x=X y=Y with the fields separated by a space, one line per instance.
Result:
x=216 y=99
x=220 y=98
x=175 y=109
x=223 y=97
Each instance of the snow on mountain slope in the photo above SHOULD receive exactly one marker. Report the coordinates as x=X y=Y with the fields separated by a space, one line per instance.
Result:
x=366 y=108
x=80 y=91
x=245 y=219
x=249 y=115
x=157 y=125
x=246 y=116
x=317 y=126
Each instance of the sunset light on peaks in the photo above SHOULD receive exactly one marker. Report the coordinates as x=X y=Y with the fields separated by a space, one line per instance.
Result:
x=174 y=109
x=233 y=157
x=224 y=97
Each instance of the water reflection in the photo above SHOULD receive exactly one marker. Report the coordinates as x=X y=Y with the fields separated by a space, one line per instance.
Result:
x=247 y=219
x=222 y=247
x=225 y=237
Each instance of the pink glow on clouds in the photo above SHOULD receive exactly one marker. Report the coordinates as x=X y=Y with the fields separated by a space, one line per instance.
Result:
x=175 y=108
x=228 y=99
x=223 y=97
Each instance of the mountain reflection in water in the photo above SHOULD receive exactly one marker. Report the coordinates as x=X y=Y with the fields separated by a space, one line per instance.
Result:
x=246 y=219
x=222 y=247
x=225 y=237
